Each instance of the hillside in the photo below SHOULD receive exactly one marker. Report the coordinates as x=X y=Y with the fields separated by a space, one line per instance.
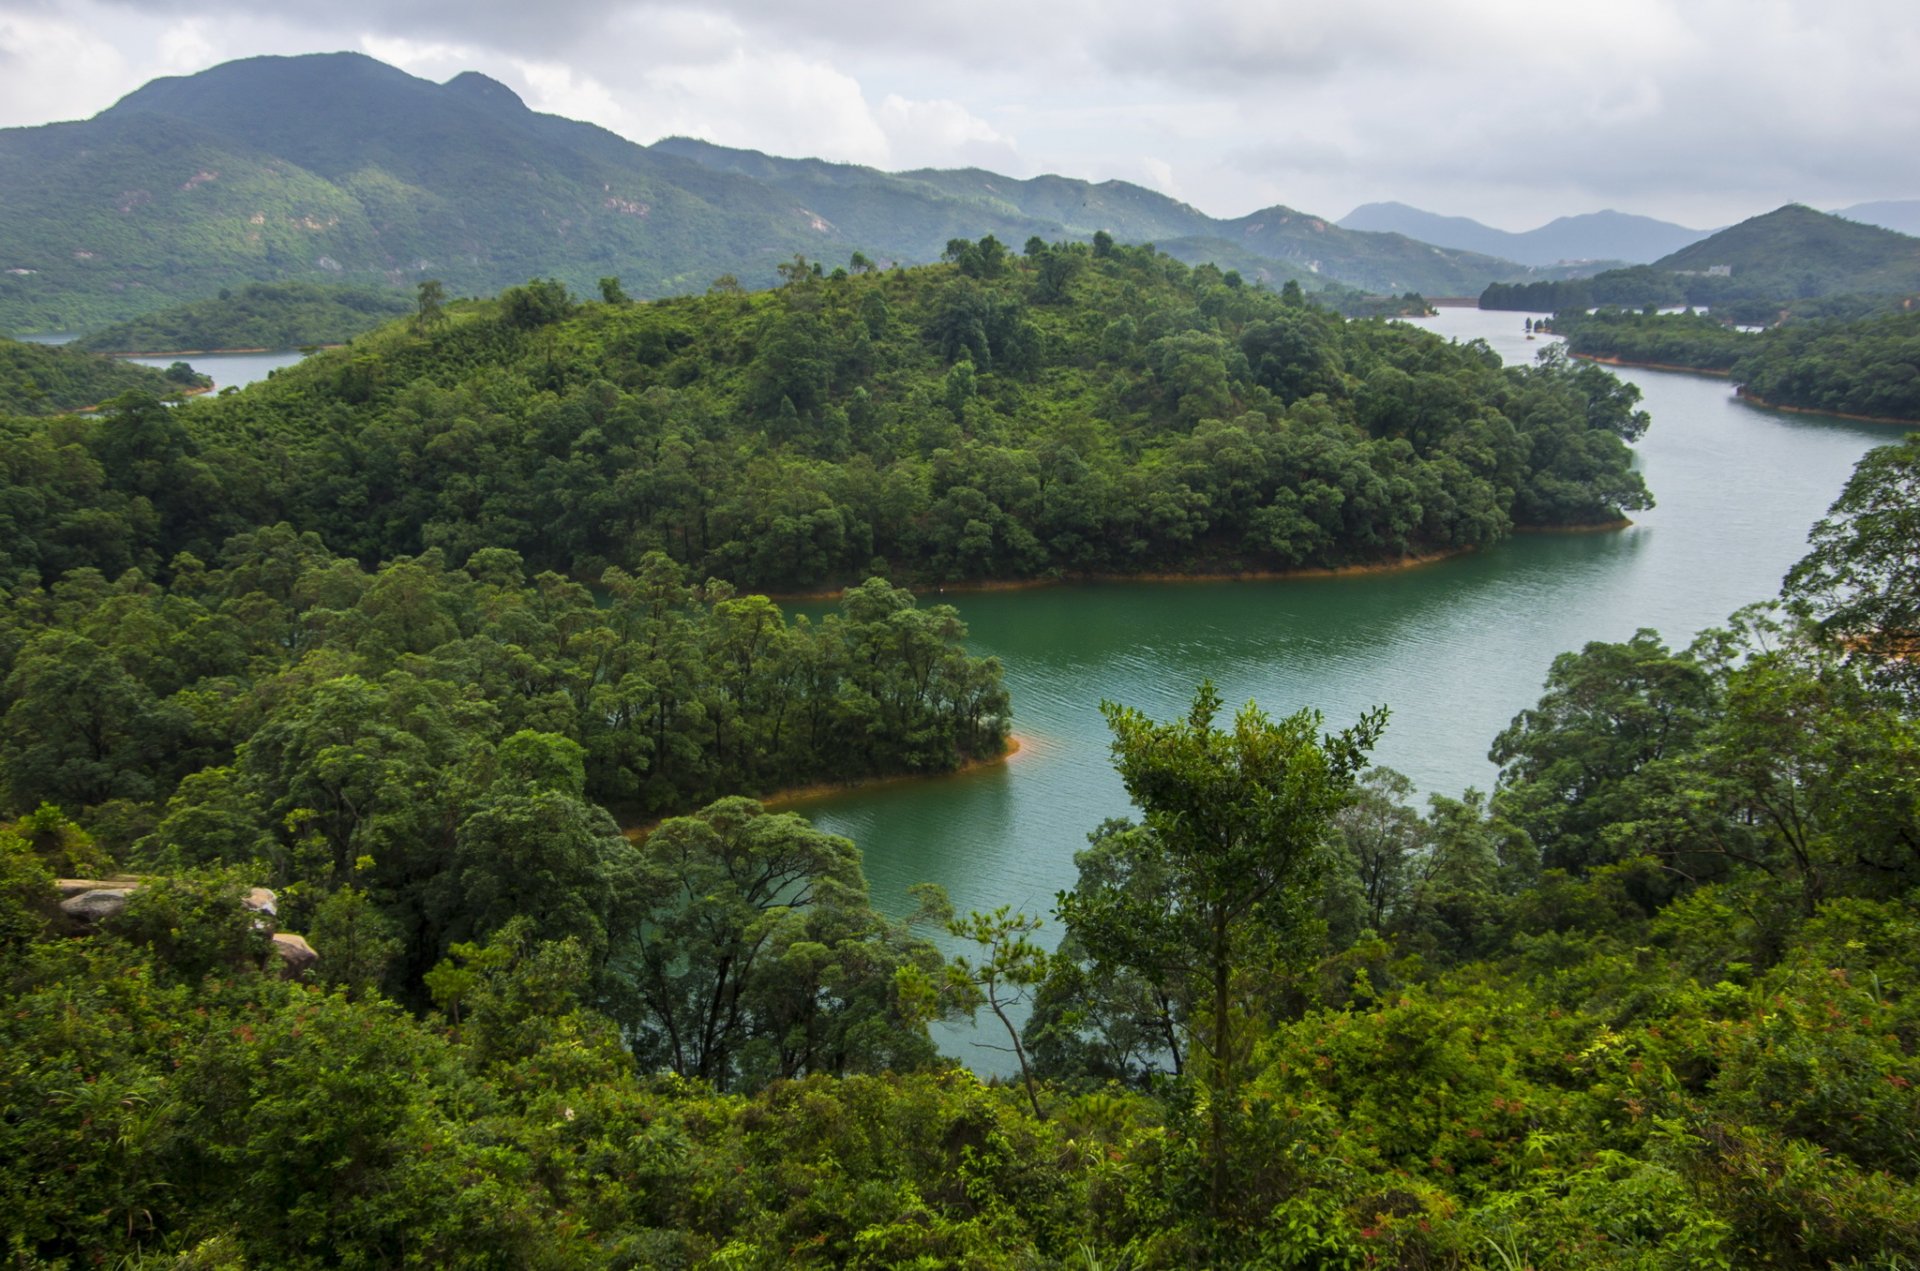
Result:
x=41 y=379
x=1076 y=411
x=1794 y=247
x=1792 y=253
x=1591 y=236
x=286 y=315
x=336 y=168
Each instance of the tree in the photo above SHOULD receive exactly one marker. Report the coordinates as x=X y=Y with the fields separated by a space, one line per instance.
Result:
x=756 y=954
x=428 y=314
x=1010 y=967
x=1572 y=766
x=1861 y=580
x=1241 y=817
x=612 y=293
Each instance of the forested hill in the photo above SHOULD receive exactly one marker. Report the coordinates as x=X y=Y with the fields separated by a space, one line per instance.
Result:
x=1790 y=253
x=42 y=379
x=337 y=168
x=287 y=315
x=1075 y=410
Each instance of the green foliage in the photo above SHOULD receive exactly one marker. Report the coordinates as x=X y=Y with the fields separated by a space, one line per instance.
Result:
x=1239 y=817
x=45 y=379
x=757 y=956
x=1151 y=418
x=1792 y=253
x=284 y=315
x=1861 y=580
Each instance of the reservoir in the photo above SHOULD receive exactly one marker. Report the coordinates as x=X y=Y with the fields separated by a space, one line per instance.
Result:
x=1455 y=649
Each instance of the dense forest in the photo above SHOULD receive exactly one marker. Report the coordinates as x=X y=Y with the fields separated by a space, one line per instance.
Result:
x=1863 y=367
x=1074 y=410
x=288 y=315
x=406 y=632
x=47 y=379
x=1648 y=1004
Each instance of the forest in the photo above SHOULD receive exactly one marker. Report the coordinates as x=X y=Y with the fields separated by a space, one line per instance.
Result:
x=287 y=315
x=1865 y=366
x=45 y=379
x=1069 y=411
x=361 y=635
x=1649 y=1003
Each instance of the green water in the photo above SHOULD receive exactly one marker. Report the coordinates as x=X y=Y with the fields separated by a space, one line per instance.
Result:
x=1455 y=649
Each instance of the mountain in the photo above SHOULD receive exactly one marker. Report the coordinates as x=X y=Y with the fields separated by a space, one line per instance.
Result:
x=1795 y=248
x=1902 y=215
x=337 y=168
x=1276 y=243
x=1791 y=255
x=1591 y=236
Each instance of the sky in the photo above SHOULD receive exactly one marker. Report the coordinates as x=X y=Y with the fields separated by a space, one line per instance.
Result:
x=1509 y=111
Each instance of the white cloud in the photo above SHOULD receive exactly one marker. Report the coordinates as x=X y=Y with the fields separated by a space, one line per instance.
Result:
x=1510 y=110
x=51 y=69
x=772 y=101
x=942 y=133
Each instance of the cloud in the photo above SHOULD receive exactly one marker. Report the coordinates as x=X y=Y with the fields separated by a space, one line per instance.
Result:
x=1510 y=110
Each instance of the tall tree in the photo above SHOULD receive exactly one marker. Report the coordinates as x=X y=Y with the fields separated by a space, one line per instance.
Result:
x=1241 y=816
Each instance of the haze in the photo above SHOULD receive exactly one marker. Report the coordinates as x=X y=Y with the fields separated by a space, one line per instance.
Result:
x=1509 y=111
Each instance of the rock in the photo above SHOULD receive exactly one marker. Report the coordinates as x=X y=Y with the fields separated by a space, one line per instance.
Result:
x=69 y=887
x=92 y=907
x=262 y=901
x=296 y=955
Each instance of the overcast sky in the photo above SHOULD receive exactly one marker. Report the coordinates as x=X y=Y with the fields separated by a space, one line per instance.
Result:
x=1509 y=111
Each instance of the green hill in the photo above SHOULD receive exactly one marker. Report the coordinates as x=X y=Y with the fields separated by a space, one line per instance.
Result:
x=41 y=379
x=1797 y=248
x=286 y=315
x=336 y=168
x=1791 y=253
x=1076 y=411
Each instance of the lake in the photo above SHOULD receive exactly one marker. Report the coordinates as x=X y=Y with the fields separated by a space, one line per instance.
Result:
x=1455 y=649
x=229 y=370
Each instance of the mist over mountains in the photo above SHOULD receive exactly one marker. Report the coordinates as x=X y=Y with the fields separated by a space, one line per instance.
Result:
x=339 y=168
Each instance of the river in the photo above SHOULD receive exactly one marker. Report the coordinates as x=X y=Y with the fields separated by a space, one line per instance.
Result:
x=1454 y=649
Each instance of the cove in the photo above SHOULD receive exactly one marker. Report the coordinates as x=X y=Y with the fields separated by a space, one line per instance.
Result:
x=1455 y=648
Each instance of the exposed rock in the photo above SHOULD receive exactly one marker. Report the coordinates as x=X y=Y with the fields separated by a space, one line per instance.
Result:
x=94 y=906
x=262 y=901
x=75 y=886
x=296 y=955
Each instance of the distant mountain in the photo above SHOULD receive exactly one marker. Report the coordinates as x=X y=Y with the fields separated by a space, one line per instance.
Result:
x=1799 y=251
x=1902 y=215
x=1790 y=255
x=1592 y=236
x=1276 y=243
x=337 y=168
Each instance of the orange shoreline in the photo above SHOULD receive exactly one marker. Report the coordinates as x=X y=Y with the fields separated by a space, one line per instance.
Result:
x=1162 y=576
x=793 y=796
x=1764 y=404
x=1654 y=366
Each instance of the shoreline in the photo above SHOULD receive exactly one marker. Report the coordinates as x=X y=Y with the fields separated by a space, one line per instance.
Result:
x=793 y=796
x=1655 y=366
x=1310 y=573
x=1764 y=404
x=1591 y=527
x=206 y=352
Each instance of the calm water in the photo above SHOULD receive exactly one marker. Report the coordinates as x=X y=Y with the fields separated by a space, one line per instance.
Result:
x=229 y=370
x=1455 y=649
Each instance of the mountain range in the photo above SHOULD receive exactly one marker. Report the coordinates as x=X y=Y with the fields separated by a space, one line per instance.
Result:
x=1610 y=236
x=336 y=167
